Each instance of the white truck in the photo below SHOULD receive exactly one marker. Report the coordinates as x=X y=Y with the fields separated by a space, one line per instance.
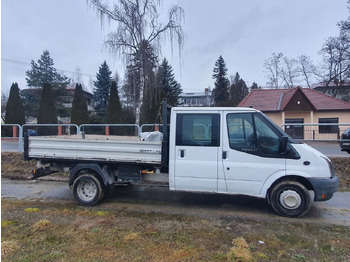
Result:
x=237 y=151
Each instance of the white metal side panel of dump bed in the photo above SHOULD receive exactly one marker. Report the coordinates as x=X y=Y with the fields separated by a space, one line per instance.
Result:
x=90 y=149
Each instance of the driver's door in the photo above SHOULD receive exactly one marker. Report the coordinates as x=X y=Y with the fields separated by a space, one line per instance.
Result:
x=250 y=152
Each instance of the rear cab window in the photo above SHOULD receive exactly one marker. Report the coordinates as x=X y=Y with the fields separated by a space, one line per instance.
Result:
x=198 y=130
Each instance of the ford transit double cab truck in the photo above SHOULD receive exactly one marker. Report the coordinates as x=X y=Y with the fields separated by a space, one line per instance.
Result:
x=236 y=151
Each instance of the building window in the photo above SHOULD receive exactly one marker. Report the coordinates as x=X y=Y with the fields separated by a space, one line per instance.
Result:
x=328 y=129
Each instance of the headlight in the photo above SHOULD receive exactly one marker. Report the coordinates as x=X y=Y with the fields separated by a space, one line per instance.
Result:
x=330 y=166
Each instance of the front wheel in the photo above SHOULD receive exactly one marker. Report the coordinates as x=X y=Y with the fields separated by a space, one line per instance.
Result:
x=290 y=198
x=88 y=189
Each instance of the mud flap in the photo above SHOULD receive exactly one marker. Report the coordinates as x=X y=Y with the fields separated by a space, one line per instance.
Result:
x=42 y=171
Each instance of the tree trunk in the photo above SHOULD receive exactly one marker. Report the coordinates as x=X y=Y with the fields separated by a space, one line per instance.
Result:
x=142 y=88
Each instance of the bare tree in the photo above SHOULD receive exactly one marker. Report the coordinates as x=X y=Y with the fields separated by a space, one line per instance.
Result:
x=273 y=71
x=306 y=69
x=77 y=78
x=4 y=98
x=290 y=72
x=344 y=35
x=137 y=21
x=336 y=63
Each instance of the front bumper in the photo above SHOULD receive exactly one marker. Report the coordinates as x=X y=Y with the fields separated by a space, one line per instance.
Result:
x=345 y=146
x=324 y=187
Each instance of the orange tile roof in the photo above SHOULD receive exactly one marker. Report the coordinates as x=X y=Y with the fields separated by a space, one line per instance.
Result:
x=277 y=99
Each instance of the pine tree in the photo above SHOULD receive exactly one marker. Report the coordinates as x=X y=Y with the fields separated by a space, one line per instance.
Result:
x=79 y=113
x=129 y=94
x=47 y=111
x=44 y=72
x=144 y=63
x=114 y=108
x=101 y=91
x=31 y=101
x=221 y=89
x=14 y=107
x=255 y=86
x=166 y=87
x=238 y=90
x=170 y=88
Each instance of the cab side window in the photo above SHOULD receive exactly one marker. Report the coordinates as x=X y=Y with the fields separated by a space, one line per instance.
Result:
x=240 y=130
x=250 y=133
x=267 y=139
x=198 y=130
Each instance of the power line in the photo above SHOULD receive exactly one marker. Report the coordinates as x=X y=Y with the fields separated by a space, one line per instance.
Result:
x=25 y=63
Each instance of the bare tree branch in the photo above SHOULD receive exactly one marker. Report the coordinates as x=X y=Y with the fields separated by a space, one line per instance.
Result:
x=137 y=21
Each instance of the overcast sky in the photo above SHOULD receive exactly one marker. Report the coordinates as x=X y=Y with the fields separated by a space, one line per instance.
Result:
x=245 y=33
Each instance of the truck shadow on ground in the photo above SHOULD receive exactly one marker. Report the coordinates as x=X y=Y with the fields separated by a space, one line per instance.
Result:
x=226 y=207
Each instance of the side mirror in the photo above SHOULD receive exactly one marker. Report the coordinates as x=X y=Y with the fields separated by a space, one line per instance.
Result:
x=283 y=144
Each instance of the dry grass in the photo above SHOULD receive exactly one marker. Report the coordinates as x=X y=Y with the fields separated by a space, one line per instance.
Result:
x=240 y=251
x=66 y=231
x=14 y=166
x=41 y=225
x=32 y=209
x=8 y=247
x=342 y=169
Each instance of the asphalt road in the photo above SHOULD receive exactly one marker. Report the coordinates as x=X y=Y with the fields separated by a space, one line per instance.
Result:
x=9 y=145
x=330 y=149
x=160 y=199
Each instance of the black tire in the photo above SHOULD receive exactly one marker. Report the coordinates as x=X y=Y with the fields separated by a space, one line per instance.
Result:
x=88 y=189
x=348 y=151
x=290 y=199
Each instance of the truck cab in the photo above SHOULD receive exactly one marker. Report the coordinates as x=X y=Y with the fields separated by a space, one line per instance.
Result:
x=241 y=151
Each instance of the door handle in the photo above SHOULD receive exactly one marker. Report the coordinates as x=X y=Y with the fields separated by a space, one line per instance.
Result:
x=182 y=153
x=224 y=154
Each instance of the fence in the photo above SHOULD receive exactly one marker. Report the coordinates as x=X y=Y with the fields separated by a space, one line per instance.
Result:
x=111 y=129
x=304 y=132
x=14 y=133
x=315 y=132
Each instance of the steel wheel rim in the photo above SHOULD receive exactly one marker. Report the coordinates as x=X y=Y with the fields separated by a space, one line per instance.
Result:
x=87 y=190
x=290 y=199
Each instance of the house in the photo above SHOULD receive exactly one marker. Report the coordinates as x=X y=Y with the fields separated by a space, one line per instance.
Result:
x=197 y=98
x=301 y=106
x=66 y=100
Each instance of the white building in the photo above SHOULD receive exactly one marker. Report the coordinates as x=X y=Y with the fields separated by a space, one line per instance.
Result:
x=197 y=98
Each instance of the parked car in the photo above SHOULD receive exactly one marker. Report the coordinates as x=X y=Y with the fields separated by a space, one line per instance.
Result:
x=31 y=132
x=345 y=145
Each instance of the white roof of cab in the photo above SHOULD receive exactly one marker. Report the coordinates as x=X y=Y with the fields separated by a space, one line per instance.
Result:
x=206 y=109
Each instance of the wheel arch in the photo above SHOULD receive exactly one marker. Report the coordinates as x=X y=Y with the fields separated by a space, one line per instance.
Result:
x=101 y=173
x=302 y=180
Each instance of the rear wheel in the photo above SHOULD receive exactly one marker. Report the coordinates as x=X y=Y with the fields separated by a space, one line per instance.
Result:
x=290 y=198
x=88 y=189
